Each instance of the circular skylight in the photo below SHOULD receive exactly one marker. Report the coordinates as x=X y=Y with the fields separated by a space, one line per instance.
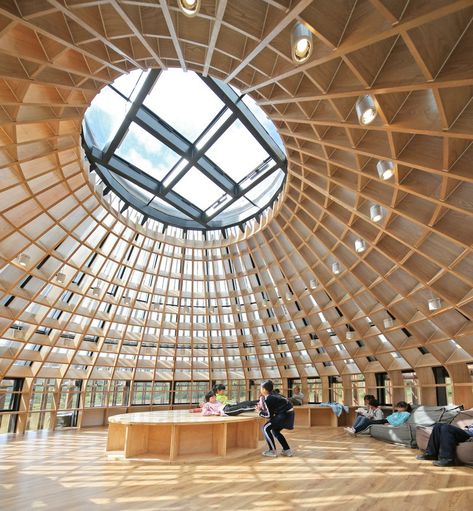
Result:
x=186 y=150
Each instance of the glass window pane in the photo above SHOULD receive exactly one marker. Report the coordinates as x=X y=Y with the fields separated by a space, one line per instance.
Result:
x=263 y=191
x=264 y=120
x=163 y=206
x=238 y=210
x=237 y=152
x=183 y=101
x=146 y=152
x=130 y=84
x=105 y=115
x=198 y=189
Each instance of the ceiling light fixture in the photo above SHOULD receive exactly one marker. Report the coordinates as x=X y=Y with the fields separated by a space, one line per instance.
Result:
x=24 y=259
x=301 y=43
x=189 y=7
x=434 y=304
x=60 y=277
x=388 y=323
x=96 y=291
x=366 y=110
x=360 y=245
x=336 y=268
x=313 y=284
x=126 y=300
x=376 y=213
x=385 y=169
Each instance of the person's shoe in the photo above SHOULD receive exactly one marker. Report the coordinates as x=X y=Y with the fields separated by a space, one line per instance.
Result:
x=270 y=454
x=351 y=431
x=425 y=456
x=443 y=462
x=288 y=452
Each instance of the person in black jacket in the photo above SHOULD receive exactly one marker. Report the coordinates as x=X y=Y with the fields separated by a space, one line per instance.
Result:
x=280 y=413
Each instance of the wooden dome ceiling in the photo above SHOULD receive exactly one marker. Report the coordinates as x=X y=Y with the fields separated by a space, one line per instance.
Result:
x=133 y=303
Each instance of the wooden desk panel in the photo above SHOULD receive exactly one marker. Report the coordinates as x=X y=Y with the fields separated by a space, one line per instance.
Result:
x=180 y=436
x=307 y=416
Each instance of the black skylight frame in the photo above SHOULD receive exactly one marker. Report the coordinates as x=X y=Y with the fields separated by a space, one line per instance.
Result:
x=111 y=167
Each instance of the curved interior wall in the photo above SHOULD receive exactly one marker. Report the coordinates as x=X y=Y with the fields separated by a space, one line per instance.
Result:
x=136 y=304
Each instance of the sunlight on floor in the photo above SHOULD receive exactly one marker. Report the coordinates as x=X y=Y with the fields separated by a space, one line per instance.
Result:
x=330 y=471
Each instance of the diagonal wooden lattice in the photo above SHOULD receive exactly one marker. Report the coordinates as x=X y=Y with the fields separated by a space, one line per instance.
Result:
x=102 y=297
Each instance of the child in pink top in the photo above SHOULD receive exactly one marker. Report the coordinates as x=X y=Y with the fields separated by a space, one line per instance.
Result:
x=211 y=405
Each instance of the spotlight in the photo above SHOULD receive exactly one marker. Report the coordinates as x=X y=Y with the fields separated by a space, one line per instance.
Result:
x=18 y=333
x=126 y=300
x=96 y=291
x=301 y=43
x=313 y=284
x=189 y=7
x=434 y=304
x=385 y=169
x=388 y=323
x=376 y=213
x=24 y=259
x=336 y=268
x=360 y=245
x=365 y=109
x=349 y=335
x=288 y=297
x=60 y=277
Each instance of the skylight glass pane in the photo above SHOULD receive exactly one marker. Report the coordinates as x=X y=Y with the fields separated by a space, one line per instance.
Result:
x=237 y=152
x=175 y=171
x=264 y=120
x=263 y=191
x=184 y=101
x=130 y=84
x=198 y=189
x=206 y=137
x=139 y=192
x=167 y=208
x=146 y=152
x=105 y=115
x=239 y=210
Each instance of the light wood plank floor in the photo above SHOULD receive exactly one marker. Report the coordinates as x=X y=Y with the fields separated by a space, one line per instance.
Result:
x=70 y=470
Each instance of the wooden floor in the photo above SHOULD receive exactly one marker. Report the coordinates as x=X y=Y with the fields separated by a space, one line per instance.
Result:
x=70 y=470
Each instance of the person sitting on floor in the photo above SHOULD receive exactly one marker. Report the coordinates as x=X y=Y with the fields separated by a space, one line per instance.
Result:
x=371 y=412
x=297 y=396
x=443 y=442
x=402 y=412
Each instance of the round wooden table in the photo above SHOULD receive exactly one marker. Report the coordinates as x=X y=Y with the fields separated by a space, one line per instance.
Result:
x=180 y=436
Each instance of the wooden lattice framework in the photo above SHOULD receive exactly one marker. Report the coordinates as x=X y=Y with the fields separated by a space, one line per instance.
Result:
x=250 y=307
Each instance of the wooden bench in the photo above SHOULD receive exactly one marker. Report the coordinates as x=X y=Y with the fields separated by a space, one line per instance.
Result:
x=307 y=416
x=178 y=436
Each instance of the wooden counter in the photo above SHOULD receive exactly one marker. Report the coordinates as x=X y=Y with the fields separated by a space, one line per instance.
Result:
x=180 y=436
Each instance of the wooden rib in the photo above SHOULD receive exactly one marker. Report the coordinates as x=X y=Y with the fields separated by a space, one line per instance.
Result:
x=222 y=4
x=172 y=31
x=420 y=20
x=300 y=6
x=136 y=32
x=100 y=37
